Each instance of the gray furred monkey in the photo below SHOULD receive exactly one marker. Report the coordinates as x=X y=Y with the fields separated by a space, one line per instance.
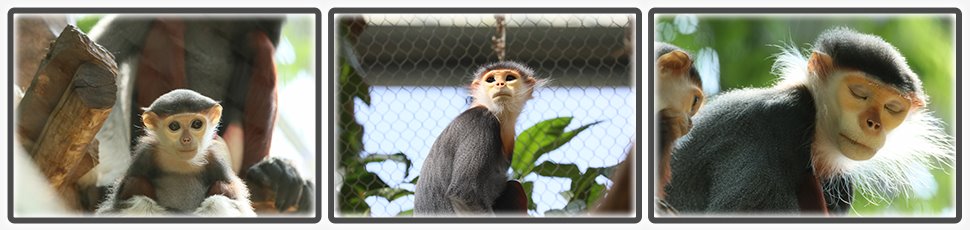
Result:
x=179 y=166
x=465 y=171
x=850 y=118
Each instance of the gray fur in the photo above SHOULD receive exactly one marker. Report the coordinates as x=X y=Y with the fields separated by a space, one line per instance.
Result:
x=465 y=171
x=181 y=192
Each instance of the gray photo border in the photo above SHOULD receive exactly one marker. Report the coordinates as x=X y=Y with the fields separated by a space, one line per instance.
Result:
x=333 y=135
x=755 y=11
x=86 y=220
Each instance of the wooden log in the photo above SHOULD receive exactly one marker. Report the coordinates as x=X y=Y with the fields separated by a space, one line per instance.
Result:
x=32 y=38
x=55 y=74
x=74 y=123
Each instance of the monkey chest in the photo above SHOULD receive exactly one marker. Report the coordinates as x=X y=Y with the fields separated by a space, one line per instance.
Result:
x=183 y=193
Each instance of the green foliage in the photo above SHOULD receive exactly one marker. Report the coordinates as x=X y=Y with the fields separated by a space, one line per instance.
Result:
x=543 y=138
x=358 y=183
x=86 y=22
x=743 y=47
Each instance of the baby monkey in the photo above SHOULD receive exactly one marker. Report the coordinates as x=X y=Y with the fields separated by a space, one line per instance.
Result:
x=679 y=90
x=180 y=166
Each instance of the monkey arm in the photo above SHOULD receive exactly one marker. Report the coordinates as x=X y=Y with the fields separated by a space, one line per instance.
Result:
x=122 y=36
x=479 y=168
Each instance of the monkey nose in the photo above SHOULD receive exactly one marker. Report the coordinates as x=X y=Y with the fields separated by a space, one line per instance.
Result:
x=874 y=125
x=186 y=140
x=500 y=84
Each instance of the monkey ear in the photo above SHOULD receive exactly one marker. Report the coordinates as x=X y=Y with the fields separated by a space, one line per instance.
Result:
x=149 y=119
x=677 y=62
x=820 y=64
x=215 y=114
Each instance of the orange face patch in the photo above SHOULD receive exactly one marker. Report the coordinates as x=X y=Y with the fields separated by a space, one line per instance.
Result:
x=880 y=107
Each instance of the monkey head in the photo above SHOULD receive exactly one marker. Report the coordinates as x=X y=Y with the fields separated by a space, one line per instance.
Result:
x=679 y=84
x=864 y=90
x=503 y=86
x=184 y=123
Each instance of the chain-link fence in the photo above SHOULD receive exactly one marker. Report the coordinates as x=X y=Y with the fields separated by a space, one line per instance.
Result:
x=403 y=77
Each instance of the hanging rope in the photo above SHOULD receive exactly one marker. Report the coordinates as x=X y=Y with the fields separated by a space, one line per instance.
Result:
x=498 y=41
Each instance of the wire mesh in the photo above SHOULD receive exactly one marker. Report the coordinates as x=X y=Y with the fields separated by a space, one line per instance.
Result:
x=418 y=68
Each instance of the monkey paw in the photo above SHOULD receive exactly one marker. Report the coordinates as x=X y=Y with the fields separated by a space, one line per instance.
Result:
x=222 y=206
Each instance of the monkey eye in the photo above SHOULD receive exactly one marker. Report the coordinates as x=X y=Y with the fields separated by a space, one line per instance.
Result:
x=894 y=107
x=859 y=92
x=490 y=79
x=509 y=78
x=696 y=98
x=174 y=126
x=196 y=124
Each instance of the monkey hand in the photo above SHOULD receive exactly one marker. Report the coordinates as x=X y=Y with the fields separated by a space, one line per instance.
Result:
x=222 y=206
x=281 y=178
x=673 y=125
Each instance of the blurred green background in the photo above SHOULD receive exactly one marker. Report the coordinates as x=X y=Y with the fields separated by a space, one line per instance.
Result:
x=734 y=51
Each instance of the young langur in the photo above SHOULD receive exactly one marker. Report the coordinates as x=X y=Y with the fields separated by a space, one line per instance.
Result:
x=680 y=96
x=465 y=172
x=179 y=166
x=853 y=115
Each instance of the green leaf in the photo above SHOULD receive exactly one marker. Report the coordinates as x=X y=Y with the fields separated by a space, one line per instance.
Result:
x=580 y=187
x=415 y=180
x=575 y=207
x=595 y=193
x=389 y=193
x=409 y=212
x=399 y=157
x=551 y=169
x=352 y=202
x=540 y=139
x=528 y=186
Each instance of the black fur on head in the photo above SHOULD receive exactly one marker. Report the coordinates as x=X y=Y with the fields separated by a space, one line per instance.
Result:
x=661 y=48
x=869 y=54
x=525 y=71
x=180 y=101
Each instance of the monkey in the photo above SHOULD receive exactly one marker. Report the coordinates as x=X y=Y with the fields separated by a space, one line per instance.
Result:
x=852 y=115
x=179 y=165
x=227 y=59
x=465 y=171
x=680 y=95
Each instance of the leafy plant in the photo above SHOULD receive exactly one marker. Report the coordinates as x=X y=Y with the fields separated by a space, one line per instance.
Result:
x=543 y=138
x=358 y=183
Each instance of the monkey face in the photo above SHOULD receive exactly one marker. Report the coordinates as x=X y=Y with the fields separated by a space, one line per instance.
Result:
x=185 y=135
x=867 y=111
x=677 y=91
x=183 y=131
x=504 y=85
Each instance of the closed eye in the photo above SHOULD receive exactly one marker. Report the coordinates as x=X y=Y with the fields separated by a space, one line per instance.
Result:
x=859 y=92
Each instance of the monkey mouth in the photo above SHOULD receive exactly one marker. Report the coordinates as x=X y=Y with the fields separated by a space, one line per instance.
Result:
x=853 y=141
x=501 y=94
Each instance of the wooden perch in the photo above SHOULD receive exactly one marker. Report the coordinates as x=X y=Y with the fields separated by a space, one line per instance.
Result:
x=51 y=83
x=67 y=102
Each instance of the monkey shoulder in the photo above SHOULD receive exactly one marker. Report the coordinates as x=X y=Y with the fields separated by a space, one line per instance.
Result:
x=745 y=151
x=143 y=159
x=475 y=126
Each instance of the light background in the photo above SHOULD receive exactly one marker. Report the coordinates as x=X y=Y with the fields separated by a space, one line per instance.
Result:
x=324 y=7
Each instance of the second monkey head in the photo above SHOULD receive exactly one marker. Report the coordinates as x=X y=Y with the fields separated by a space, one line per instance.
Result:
x=503 y=87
